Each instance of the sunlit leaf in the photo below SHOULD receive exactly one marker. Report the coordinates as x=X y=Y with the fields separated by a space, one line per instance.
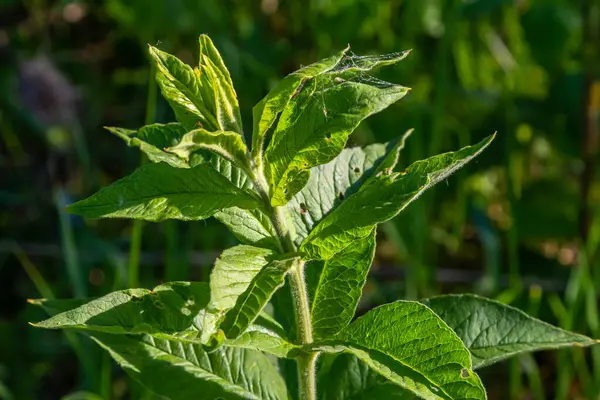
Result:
x=315 y=123
x=259 y=291
x=411 y=346
x=340 y=287
x=183 y=371
x=156 y=192
x=228 y=145
x=168 y=309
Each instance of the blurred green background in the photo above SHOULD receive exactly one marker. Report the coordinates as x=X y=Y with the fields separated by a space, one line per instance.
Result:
x=521 y=224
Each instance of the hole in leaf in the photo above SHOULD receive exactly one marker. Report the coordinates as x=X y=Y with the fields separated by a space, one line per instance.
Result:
x=356 y=170
x=136 y=299
x=464 y=373
x=328 y=137
x=341 y=196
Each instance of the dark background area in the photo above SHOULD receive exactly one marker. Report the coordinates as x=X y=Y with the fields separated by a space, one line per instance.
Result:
x=520 y=224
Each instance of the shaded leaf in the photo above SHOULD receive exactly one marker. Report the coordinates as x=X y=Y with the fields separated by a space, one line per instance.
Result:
x=340 y=287
x=265 y=335
x=382 y=198
x=411 y=346
x=356 y=381
x=156 y=192
x=184 y=371
x=315 y=124
x=329 y=184
x=153 y=139
x=259 y=291
x=493 y=331
x=251 y=227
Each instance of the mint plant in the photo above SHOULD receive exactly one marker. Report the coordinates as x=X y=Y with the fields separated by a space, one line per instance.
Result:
x=300 y=204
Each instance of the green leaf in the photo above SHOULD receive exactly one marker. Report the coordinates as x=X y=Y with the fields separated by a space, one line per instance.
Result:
x=234 y=269
x=330 y=183
x=202 y=97
x=153 y=139
x=182 y=89
x=315 y=124
x=212 y=66
x=162 y=313
x=259 y=291
x=183 y=371
x=231 y=276
x=169 y=309
x=380 y=199
x=156 y=192
x=340 y=287
x=265 y=335
x=228 y=145
x=251 y=227
x=411 y=346
x=266 y=111
x=354 y=380
x=493 y=331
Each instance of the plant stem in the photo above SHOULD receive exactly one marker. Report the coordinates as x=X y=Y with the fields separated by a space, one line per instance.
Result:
x=306 y=361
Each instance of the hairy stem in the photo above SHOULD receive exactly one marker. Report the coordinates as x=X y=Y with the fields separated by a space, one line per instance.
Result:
x=306 y=361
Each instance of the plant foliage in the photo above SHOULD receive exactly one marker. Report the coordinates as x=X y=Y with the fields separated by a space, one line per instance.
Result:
x=296 y=199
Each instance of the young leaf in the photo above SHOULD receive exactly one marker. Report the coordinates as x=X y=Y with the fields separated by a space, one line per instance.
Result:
x=493 y=331
x=251 y=302
x=329 y=184
x=212 y=66
x=266 y=111
x=183 y=371
x=228 y=145
x=153 y=139
x=315 y=124
x=356 y=381
x=181 y=88
x=411 y=346
x=202 y=97
x=340 y=287
x=168 y=309
x=380 y=199
x=156 y=192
